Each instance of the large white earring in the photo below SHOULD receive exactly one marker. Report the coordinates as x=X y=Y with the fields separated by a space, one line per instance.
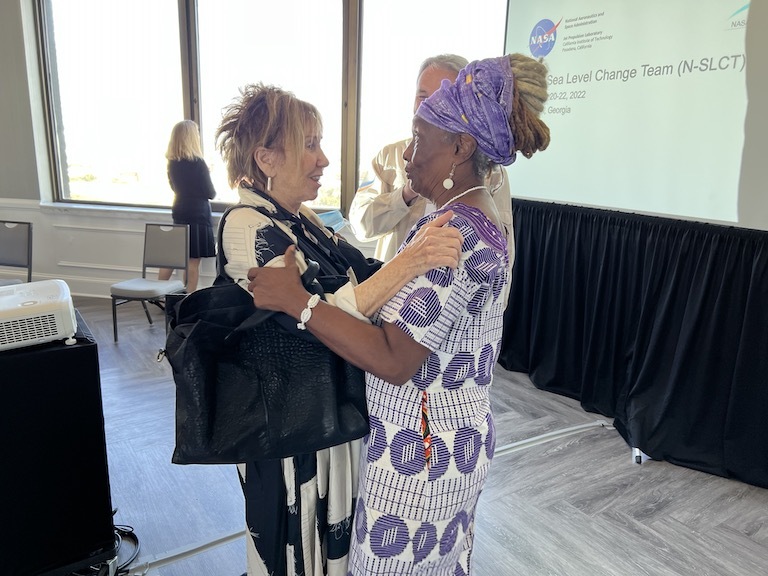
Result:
x=269 y=183
x=448 y=182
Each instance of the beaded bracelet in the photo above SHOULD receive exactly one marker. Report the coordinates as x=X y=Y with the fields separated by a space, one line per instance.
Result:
x=306 y=314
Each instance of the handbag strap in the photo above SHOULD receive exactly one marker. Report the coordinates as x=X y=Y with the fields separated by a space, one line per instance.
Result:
x=221 y=260
x=260 y=315
x=311 y=250
x=308 y=278
x=322 y=249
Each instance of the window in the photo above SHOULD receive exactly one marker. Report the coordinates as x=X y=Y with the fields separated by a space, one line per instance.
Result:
x=294 y=44
x=114 y=84
x=397 y=36
x=117 y=85
x=119 y=75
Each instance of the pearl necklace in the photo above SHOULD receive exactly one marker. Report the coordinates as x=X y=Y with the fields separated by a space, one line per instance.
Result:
x=464 y=193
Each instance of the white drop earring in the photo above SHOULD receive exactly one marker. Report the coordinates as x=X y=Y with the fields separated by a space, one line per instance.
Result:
x=448 y=182
x=269 y=183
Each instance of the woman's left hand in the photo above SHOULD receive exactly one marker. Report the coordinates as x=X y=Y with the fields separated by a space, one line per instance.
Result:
x=276 y=288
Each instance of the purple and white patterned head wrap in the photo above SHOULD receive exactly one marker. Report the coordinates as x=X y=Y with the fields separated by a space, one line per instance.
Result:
x=479 y=103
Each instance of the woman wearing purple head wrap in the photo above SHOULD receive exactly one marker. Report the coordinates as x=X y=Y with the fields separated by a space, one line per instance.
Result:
x=430 y=353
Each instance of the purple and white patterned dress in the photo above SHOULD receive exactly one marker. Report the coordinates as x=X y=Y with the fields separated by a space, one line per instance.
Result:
x=419 y=485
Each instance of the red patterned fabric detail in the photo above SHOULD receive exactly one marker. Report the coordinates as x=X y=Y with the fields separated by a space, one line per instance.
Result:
x=425 y=429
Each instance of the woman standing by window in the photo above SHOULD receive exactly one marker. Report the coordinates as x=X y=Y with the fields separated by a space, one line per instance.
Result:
x=190 y=180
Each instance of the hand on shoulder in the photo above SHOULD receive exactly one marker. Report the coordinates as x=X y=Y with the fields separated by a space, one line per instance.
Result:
x=435 y=245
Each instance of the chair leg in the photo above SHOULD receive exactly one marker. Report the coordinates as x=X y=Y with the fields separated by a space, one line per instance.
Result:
x=146 y=311
x=114 y=317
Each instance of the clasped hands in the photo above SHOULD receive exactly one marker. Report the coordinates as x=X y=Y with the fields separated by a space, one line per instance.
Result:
x=434 y=246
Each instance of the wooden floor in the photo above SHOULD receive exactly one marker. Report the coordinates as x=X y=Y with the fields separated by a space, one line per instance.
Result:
x=564 y=496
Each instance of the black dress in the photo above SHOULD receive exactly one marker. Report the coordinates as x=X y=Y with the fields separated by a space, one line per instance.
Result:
x=191 y=183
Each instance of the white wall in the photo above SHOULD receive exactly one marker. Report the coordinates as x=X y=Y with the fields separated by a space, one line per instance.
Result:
x=753 y=185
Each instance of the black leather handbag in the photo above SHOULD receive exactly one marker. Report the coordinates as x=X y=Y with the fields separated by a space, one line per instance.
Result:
x=250 y=385
x=249 y=389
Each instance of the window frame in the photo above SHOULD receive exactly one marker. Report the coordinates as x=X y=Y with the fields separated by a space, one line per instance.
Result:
x=52 y=110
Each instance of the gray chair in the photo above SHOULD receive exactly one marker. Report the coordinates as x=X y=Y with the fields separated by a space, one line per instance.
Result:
x=165 y=246
x=16 y=249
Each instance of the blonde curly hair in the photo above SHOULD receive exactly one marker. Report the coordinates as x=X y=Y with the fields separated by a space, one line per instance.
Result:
x=263 y=116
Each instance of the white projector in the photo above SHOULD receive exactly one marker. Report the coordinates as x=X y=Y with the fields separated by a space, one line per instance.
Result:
x=36 y=312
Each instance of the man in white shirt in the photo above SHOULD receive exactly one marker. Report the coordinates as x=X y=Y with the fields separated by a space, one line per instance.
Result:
x=385 y=208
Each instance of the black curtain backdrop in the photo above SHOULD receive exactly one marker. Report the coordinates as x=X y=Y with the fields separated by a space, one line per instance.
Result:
x=658 y=323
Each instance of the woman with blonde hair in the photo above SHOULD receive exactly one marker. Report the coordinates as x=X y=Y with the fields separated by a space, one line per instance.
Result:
x=299 y=509
x=190 y=180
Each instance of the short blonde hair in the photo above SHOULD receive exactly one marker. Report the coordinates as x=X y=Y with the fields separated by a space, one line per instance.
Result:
x=264 y=116
x=185 y=142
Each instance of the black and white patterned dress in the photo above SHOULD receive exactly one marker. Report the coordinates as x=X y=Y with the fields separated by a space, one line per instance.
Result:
x=298 y=510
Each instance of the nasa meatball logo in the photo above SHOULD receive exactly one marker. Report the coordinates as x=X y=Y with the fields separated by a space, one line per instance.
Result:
x=543 y=37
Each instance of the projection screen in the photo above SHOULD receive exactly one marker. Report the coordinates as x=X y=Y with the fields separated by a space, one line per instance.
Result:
x=647 y=102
